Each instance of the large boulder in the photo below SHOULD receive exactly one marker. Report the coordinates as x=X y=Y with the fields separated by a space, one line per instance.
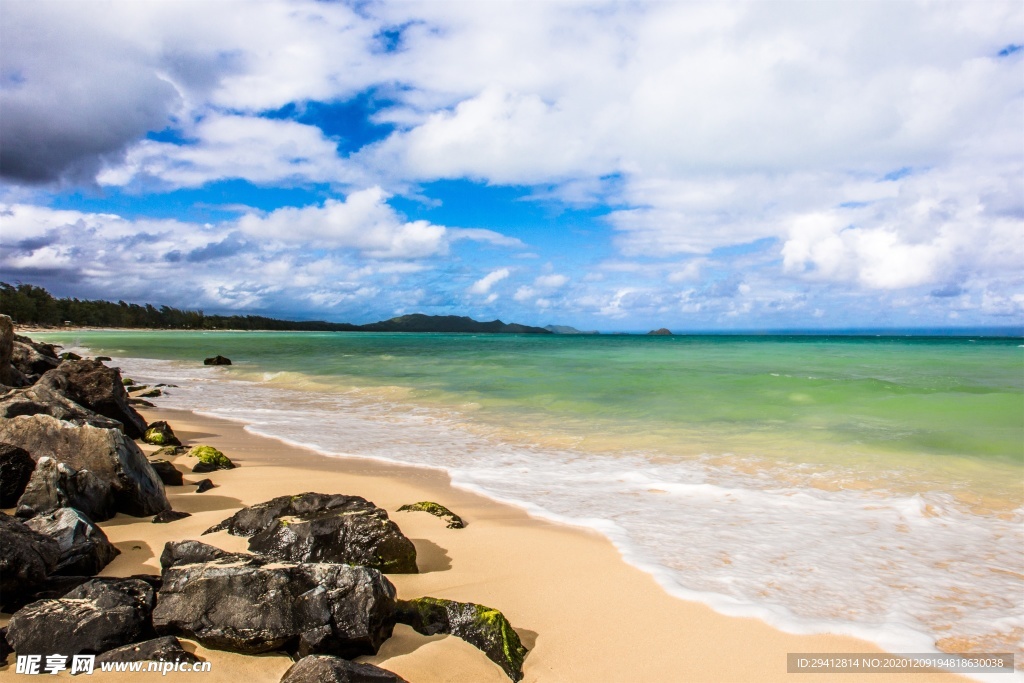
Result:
x=234 y=604
x=56 y=485
x=162 y=649
x=324 y=669
x=84 y=548
x=217 y=360
x=49 y=396
x=168 y=473
x=92 y=384
x=210 y=459
x=482 y=627
x=16 y=467
x=107 y=453
x=9 y=375
x=99 y=615
x=26 y=559
x=317 y=527
x=32 y=359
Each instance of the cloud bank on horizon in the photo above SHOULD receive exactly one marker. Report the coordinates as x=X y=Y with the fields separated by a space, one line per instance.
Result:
x=611 y=165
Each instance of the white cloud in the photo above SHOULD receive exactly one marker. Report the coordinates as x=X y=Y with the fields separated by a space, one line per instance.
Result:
x=484 y=284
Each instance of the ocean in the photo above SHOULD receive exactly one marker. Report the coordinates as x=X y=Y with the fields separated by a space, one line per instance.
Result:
x=870 y=486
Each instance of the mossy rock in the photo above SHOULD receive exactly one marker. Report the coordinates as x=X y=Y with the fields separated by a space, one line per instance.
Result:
x=436 y=509
x=128 y=382
x=482 y=627
x=161 y=434
x=167 y=452
x=69 y=355
x=210 y=459
x=152 y=393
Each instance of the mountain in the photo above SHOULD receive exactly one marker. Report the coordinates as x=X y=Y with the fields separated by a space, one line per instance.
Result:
x=417 y=322
x=565 y=329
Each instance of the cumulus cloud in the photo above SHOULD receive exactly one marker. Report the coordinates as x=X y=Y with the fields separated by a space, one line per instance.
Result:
x=484 y=284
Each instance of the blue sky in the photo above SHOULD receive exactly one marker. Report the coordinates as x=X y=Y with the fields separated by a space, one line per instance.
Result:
x=613 y=166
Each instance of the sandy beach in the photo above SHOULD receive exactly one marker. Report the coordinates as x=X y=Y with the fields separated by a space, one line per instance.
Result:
x=584 y=614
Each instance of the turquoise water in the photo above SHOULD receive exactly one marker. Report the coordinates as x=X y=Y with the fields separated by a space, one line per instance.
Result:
x=864 y=485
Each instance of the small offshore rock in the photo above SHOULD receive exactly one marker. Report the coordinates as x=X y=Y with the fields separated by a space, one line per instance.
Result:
x=660 y=332
x=27 y=558
x=168 y=516
x=69 y=355
x=168 y=473
x=162 y=649
x=152 y=393
x=141 y=402
x=300 y=608
x=128 y=382
x=217 y=360
x=54 y=485
x=482 y=627
x=210 y=459
x=160 y=434
x=317 y=527
x=204 y=486
x=99 y=615
x=103 y=358
x=16 y=467
x=84 y=548
x=454 y=521
x=326 y=669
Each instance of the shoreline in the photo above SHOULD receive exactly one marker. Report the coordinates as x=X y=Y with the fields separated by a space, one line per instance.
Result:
x=584 y=613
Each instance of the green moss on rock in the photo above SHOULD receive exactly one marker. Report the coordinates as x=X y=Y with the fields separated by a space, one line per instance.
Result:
x=436 y=509
x=210 y=459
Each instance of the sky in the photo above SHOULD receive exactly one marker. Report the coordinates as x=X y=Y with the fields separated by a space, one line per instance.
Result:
x=606 y=165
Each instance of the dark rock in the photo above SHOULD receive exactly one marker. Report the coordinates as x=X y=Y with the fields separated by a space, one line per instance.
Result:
x=5 y=648
x=210 y=459
x=482 y=627
x=204 y=486
x=660 y=332
x=69 y=355
x=48 y=396
x=84 y=548
x=52 y=588
x=175 y=386
x=54 y=485
x=134 y=388
x=16 y=467
x=301 y=608
x=324 y=669
x=195 y=552
x=100 y=389
x=160 y=434
x=32 y=359
x=454 y=521
x=128 y=381
x=27 y=558
x=99 y=615
x=162 y=649
x=167 y=452
x=103 y=358
x=168 y=473
x=9 y=375
x=168 y=516
x=217 y=360
x=152 y=393
x=316 y=527
x=112 y=457
x=141 y=402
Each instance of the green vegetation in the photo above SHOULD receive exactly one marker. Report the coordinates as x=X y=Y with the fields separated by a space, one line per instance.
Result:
x=436 y=509
x=209 y=455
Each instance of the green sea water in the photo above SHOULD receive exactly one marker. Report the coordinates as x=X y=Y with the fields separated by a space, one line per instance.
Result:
x=946 y=412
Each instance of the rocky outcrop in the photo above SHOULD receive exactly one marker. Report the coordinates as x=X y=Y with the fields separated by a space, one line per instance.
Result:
x=48 y=396
x=106 y=453
x=160 y=434
x=52 y=588
x=210 y=459
x=482 y=627
x=217 y=360
x=317 y=527
x=32 y=359
x=177 y=553
x=92 y=384
x=27 y=558
x=242 y=606
x=163 y=649
x=660 y=332
x=16 y=467
x=324 y=669
x=56 y=485
x=9 y=375
x=168 y=473
x=99 y=615
x=84 y=548
x=436 y=509
x=168 y=516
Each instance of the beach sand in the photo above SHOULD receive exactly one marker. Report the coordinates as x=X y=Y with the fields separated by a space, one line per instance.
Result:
x=584 y=614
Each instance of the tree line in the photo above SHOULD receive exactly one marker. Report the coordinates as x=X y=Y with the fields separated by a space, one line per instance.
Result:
x=31 y=305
